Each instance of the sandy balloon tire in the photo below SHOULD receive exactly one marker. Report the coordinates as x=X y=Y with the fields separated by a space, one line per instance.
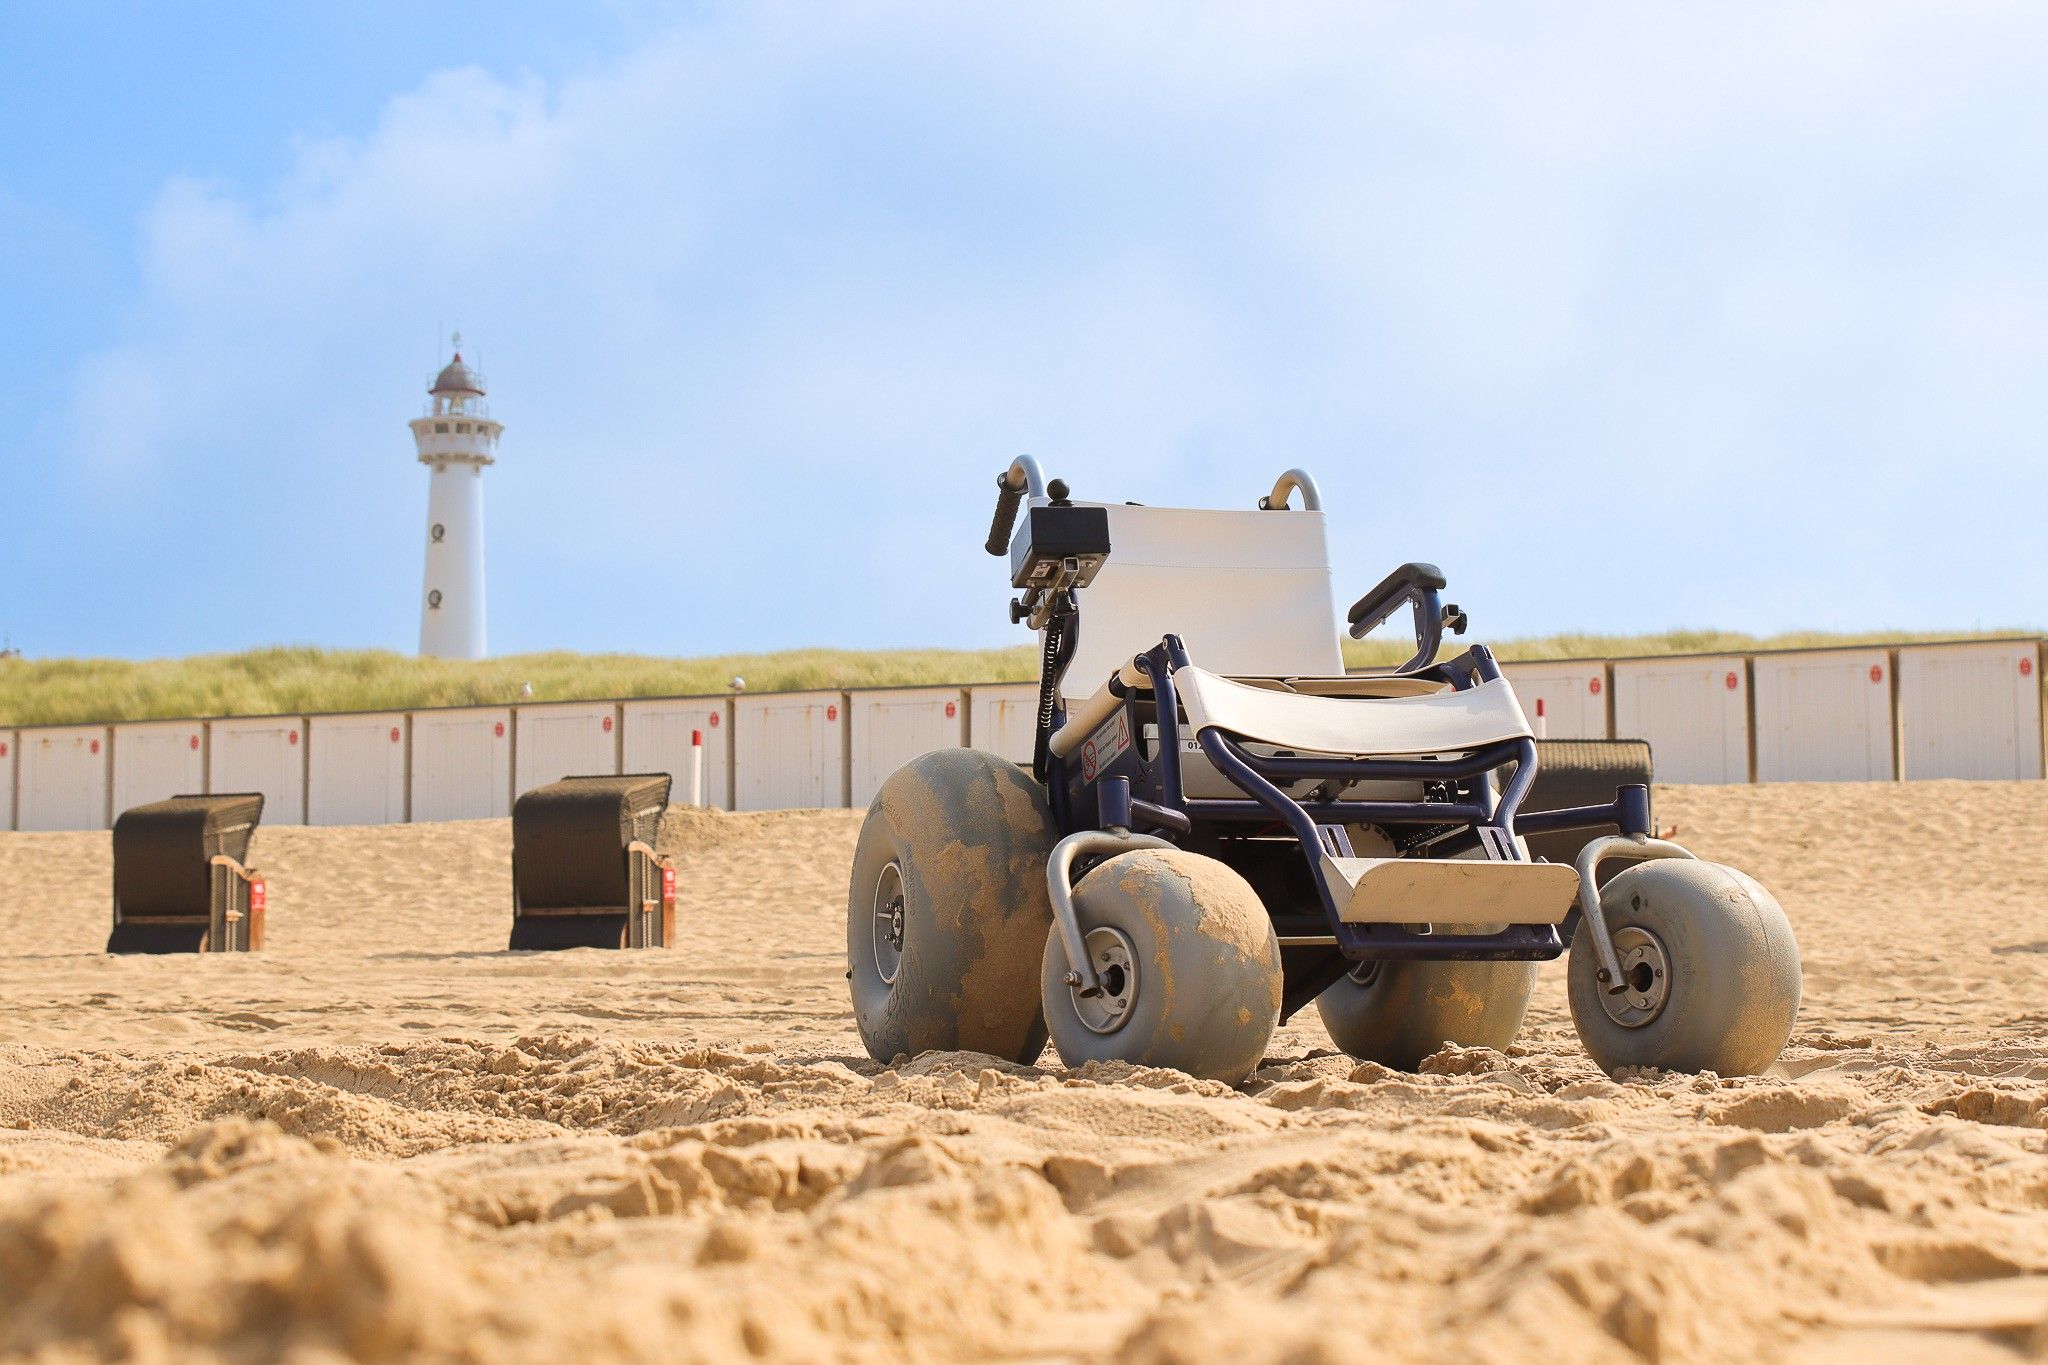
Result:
x=1397 y=1013
x=1190 y=965
x=1711 y=972
x=947 y=910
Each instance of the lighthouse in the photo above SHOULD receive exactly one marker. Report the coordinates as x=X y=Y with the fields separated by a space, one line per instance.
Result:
x=456 y=439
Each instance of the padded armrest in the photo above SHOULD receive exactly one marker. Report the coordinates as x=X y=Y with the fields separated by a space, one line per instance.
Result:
x=1396 y=585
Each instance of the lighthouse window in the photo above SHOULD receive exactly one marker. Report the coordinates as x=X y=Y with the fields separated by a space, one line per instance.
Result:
x=434 y=600
x=462 y=428
x=441 y=427
x=440 y=532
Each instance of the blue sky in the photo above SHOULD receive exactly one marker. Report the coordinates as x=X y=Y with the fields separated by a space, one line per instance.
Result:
x=1631 y=316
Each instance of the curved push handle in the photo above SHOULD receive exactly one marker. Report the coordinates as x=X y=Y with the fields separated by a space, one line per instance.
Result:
x=1021 y=479
x=1284 y=487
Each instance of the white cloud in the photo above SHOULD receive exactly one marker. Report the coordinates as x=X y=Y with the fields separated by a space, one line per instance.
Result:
x=1541 y=296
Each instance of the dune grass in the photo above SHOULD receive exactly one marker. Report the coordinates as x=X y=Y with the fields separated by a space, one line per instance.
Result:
x=298 y=680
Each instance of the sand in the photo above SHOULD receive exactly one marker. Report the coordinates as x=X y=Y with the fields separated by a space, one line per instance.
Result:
x=386 y=1138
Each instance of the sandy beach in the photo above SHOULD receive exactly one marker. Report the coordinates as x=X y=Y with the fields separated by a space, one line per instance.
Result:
x=385 y=1136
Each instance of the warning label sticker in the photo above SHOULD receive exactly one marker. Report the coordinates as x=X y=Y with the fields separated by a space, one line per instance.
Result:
x=1105 y=746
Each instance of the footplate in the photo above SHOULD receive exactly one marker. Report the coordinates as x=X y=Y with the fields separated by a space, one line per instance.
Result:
x=1450 y=890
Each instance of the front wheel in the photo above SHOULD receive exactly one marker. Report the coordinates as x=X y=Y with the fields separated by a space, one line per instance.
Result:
x=1709 y=968
x=1189 y=967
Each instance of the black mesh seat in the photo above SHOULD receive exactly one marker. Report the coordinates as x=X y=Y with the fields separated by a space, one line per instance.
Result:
x=170 y=895
x=584 y=870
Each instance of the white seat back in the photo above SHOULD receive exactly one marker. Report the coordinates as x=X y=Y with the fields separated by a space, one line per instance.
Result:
x=1248 y=592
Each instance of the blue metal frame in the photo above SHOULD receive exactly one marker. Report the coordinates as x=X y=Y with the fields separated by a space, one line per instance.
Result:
x=1149 y=792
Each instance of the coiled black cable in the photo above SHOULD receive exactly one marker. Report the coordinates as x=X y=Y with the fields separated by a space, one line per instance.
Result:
x=1055 y=653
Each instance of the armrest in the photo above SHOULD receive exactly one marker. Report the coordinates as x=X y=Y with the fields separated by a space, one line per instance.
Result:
x=1415 y=585
x=1393 y=590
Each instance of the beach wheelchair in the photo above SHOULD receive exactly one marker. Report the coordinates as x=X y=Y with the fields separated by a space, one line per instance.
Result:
x=1221 y=826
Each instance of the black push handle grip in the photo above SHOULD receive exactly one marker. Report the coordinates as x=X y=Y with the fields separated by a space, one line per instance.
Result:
x=1009 y=497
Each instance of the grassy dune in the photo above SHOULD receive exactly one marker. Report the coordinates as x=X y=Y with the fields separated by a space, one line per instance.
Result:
x=268 y=681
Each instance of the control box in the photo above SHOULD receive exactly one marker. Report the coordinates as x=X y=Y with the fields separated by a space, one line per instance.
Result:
x=1051 y=535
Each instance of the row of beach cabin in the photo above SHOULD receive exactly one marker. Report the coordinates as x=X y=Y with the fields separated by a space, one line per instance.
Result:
x=1963 y=710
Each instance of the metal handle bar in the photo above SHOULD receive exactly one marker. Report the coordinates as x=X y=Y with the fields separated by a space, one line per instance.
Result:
x=1284 y=486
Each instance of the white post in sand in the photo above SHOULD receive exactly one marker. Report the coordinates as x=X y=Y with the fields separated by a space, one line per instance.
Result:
x=457 y=438
x=696 y=767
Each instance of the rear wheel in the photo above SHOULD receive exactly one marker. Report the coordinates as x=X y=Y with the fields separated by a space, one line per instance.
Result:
x=1397 y=1013
x=947 y=910
x=1709 y=972
x=1189 y=967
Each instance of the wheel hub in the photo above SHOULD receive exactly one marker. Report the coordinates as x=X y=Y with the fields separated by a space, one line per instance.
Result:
x=1116 y=968
x=1645 y=983
x=887 y=925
